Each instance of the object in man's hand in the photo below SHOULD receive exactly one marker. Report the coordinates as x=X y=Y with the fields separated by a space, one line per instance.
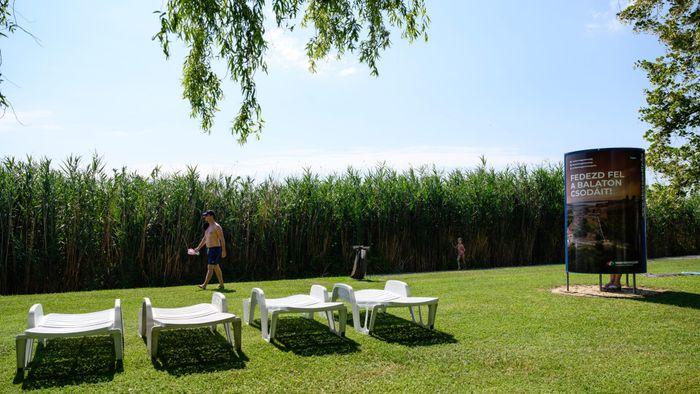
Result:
x=192 y=252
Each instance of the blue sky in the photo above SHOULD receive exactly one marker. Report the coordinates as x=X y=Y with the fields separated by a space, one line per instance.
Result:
x=516 y=82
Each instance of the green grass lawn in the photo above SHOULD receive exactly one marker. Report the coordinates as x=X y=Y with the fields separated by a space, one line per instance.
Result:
x=499 y=330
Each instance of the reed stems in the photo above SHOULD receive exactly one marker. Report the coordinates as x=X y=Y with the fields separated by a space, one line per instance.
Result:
x=76 y=226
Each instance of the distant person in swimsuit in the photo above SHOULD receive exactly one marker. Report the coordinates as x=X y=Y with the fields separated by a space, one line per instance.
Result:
x=460 y=254
x=216 y=249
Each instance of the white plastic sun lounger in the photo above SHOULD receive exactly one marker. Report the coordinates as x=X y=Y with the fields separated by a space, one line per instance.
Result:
x=55 y=325
x=396 y=294
x=154 y=320
x=318 y=300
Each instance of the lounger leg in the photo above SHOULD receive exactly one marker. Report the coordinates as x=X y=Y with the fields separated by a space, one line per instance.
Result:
x=331 y=322
x=356 y=322
x=118 y=345
x=28 y=351
x=237 y=334
x=310 y=315
x=413 y=314
x=247 y=312
x=264 y=320
x=432 y=311
x=342 y=319
x=213 y=328
x=21 y=350
x=372 y=318
x=153 y=344
x=273 y=325
x=227 y=328
x=366 y=325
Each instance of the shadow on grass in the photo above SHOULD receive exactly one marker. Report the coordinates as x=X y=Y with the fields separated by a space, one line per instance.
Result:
x=189 y=351
x=393 y=329
x=307 y=337
x=675 y=298
x=71 y=361
x=214 y=288
x=366 y=279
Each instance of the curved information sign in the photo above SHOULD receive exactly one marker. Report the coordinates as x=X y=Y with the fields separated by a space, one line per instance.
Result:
x=605 y=211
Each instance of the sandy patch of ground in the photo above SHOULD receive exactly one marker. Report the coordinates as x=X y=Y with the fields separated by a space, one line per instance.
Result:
x=594 y=291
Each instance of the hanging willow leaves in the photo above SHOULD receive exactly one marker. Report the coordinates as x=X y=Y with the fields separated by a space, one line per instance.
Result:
x=6 y=26
x=233 y=31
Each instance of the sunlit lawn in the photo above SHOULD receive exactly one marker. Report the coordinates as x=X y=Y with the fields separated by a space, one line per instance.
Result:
x=497 y=330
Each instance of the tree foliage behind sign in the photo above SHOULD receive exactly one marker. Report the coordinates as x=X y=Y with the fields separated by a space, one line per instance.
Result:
x=673 y=100
x=233 y=31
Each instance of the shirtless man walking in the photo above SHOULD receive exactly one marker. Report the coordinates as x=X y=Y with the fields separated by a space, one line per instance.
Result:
x=216 y=249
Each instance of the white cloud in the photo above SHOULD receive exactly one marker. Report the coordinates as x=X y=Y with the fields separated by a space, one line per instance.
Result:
x=289 y=52
x=22 y=120
x=347 y=71
x=115 y=134
x=285 y=50
x=614 y=25
x=607 y=20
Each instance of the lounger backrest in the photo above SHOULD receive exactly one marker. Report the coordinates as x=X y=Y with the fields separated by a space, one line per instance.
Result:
x=320 y=293
x=146 y=317
x=343 y=292
x=257 y=296
x=219 y=302
x=397 y=287
x=36 y=316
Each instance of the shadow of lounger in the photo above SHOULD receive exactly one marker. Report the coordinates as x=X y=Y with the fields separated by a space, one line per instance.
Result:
x=72 y=361
x=393 y=329
x=306 y=337
x=185 y=352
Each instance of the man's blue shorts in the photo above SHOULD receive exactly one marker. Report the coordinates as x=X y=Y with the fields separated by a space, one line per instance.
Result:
x=214 y=255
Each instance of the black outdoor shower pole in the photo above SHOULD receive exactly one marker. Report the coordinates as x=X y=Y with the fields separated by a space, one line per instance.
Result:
x=359 y=268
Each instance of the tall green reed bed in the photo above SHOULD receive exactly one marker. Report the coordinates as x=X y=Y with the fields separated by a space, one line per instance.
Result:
x=77 y=226
x=673 y=223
